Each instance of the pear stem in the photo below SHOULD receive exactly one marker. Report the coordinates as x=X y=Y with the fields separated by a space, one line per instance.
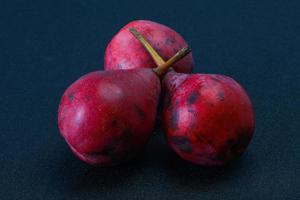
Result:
x=162 y=65
x=156 y=57
x=162 y=69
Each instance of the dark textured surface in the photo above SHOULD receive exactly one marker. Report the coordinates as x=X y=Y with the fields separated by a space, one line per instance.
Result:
x=46 y=46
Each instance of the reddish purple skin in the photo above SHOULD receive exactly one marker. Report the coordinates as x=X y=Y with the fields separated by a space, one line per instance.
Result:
x=106 y=117
x=126 y=52
x=208 y=119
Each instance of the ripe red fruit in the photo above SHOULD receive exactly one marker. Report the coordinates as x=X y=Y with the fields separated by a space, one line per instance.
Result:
x=106 y=117
x=208 y=119
x=125 y=52
x=103 y=117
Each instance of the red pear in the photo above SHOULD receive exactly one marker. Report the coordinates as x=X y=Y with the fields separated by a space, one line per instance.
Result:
x=208 y=119
x=106 y=117
x=125 y=52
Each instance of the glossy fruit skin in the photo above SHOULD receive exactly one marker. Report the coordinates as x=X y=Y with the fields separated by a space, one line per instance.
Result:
x=208 y=119
x=106 y=117
x=125 y=52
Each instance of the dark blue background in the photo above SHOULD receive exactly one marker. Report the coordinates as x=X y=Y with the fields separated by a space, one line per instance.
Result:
x=46 y=45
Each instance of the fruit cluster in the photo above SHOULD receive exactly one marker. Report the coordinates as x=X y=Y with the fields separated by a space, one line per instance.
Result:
x=107 y=117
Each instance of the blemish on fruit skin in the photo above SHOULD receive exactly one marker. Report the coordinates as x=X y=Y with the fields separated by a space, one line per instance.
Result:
x=71 y=96
x=193 y=97
x=119 y=66
x=191 y=111
x=139 y=111
x=235 y=146
x=64 y=110
x=169 y=41
x=182 y=143
x=115 y=149
x=159 y=51
x=221 y=95
x=174 y=118
x=215 y=80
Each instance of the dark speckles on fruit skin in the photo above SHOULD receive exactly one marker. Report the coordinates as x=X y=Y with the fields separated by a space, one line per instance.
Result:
x=169 y=41
x=174 y=118
x=182 y=143
x=71 y=96
x=119 y=66
x=116 y=151
x=191 y=111
x=124 y=64
x=236 y=146
x=139 y=111
x=221 y=95
x=174 y=114
x=193 y=97
x=159 y=51
x=64 y=110
x=216 y=81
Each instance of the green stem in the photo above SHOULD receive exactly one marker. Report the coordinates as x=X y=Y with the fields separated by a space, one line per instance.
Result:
x=162 y=69
x=162 y=65
x=154 y=54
